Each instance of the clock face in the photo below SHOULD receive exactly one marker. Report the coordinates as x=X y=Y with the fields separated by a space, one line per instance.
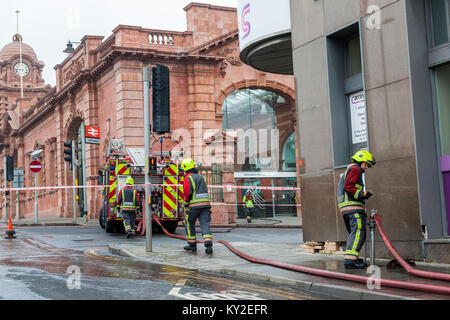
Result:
x=21 y=69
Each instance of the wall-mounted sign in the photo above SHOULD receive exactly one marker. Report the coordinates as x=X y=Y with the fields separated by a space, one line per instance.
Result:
x=18 y=178
x=253 y=21
x=92 y=134
x=358 y=117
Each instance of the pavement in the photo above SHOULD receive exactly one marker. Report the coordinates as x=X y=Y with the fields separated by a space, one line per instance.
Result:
x=169 y=251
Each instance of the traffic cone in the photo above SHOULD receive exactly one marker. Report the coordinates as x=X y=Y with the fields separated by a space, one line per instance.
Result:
x=10 y=232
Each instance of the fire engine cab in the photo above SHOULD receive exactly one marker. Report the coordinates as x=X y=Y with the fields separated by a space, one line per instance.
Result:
x=166 y=177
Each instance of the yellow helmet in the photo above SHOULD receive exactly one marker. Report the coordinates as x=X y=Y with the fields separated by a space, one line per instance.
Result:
x=187 y=164
x=364 y=156
x=130 y=181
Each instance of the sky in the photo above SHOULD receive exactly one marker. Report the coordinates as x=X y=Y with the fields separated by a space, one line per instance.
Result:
x=47 y=25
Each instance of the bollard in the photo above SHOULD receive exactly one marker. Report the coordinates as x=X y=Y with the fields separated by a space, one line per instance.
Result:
x=372 y=226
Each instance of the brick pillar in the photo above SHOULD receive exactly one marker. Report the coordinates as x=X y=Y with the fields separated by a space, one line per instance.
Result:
x=201 y=106
x=229 y=196
x=59 y=166
x=92 y=152
x=129 y=103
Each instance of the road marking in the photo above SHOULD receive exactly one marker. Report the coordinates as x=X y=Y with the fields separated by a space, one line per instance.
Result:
x=92 y=254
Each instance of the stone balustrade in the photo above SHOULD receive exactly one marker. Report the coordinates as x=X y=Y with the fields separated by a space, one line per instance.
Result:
x=160 y=39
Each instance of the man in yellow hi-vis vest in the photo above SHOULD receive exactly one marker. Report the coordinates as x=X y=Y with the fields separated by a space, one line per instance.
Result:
x=248 y=205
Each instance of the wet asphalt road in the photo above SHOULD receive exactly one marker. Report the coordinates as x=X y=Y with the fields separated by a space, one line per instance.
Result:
x=72 y=263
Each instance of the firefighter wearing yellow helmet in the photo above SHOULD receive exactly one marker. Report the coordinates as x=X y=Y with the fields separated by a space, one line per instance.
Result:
x=351 y=200
x=128 y=200
x=197 y=206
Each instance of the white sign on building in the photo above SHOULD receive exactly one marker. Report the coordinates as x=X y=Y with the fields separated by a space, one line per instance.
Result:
x=358 y=117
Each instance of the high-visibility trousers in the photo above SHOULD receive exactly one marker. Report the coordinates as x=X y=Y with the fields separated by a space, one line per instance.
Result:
x=129 y=220
x=355 y=223
x=204 y=217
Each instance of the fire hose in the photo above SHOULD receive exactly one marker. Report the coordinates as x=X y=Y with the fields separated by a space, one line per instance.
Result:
x=429 y=288
x=402 y=262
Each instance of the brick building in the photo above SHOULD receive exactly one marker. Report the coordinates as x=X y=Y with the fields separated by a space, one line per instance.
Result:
x=100 y=84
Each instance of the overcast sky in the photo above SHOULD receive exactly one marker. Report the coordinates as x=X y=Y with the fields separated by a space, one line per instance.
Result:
x=47 y=25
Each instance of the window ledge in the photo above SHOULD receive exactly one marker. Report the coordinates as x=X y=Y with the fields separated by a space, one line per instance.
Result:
x=439 y=55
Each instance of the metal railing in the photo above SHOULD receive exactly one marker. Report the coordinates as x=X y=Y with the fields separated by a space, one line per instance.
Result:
x=214 y=176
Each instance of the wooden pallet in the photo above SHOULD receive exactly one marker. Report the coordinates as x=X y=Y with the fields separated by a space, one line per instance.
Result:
x=327 y=247
x=312 y=247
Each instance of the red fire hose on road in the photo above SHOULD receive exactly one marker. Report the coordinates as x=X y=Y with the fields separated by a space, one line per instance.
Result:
x=402 y=262
x=325 y=273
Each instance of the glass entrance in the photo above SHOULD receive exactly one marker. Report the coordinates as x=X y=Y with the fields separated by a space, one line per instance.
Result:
x=284 y=201
x=268 y=203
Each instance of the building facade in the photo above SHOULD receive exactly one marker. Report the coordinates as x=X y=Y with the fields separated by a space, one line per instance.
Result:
x=374 y=75
x=100 y=84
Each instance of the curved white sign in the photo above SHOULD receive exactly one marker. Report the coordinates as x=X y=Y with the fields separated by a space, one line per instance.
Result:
x=259 y=19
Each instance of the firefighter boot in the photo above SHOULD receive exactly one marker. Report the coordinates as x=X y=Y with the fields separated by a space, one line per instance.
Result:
x=129 y=234
x=208 y=248
x=191 y=247
x=355 y=264
x=249 y=219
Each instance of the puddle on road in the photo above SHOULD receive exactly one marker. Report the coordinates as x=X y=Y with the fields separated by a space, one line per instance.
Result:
x=33 y=253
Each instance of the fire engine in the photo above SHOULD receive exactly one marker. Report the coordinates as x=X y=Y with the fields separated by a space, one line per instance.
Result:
x=166 y=177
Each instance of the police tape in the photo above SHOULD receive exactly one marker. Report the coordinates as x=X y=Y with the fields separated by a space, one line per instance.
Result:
x=228 y=187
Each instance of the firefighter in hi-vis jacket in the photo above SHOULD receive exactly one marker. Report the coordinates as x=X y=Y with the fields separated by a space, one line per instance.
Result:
x=351 y=199
x=197 y=206
x=248 y=205
x=128 y=200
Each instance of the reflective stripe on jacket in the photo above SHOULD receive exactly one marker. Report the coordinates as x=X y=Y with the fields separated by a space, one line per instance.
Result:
x=348 y=200
x=199 y=191
x=128 y=199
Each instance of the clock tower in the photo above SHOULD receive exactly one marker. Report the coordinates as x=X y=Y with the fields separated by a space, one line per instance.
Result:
x=21 y=85
x=18 y=61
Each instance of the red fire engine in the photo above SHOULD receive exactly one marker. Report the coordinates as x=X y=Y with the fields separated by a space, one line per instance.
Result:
x=166 y=199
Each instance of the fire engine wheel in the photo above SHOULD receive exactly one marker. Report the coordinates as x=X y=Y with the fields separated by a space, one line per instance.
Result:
x=101 y=218
x=171 y=226
x=109 y=226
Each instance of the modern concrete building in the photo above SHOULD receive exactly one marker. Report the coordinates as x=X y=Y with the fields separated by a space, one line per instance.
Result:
x=372 y=75
x=375 y=75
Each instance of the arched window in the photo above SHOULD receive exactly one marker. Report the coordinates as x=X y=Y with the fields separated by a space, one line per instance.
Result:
x=250 y=109
x=289 y=163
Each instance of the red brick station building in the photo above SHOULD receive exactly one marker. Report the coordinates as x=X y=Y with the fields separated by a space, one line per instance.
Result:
x=100 y=84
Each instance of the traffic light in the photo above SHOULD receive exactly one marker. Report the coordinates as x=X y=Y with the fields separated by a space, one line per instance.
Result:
x=9 y=168
x=69 y=151
x=152 y=167
x=161 y=99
